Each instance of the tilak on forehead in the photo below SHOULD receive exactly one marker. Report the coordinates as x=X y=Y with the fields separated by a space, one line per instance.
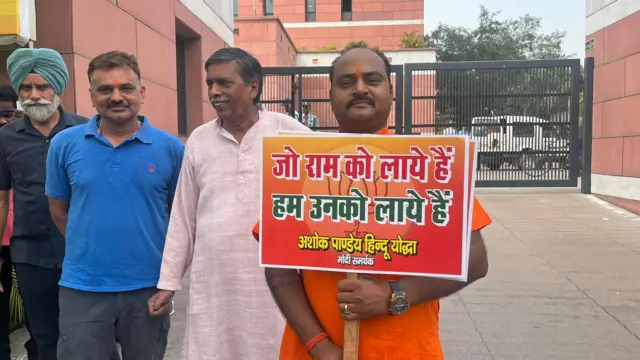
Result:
x=358 y=71
x=116 y=83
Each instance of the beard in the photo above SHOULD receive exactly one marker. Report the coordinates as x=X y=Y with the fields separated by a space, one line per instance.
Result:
x=41 y=110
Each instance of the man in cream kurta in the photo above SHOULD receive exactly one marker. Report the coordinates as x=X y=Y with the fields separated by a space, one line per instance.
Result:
x=231 y=314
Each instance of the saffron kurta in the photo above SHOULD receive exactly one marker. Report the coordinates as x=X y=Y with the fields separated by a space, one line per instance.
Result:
x=410 y=336
x=231 y=313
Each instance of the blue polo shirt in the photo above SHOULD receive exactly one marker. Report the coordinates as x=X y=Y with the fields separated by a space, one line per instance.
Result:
x=119 y=204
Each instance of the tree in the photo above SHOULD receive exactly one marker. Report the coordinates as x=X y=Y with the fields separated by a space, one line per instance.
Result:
x=494 y=39
x=467 y=93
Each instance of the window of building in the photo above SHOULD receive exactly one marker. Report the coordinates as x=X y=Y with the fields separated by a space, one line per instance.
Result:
x=181 y=67
x=310 y=15
x=235 y=7
x=347 y=12
x=268 y=7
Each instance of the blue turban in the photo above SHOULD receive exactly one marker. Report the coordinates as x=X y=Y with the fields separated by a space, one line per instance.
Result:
x=44 y=62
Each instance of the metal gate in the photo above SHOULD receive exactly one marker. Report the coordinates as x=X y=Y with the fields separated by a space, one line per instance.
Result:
x=287 y=89
x=524 y=115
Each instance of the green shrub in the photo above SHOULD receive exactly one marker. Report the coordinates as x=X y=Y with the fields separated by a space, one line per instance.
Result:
x=356 y=44
x=328 y=48
x=412 y=40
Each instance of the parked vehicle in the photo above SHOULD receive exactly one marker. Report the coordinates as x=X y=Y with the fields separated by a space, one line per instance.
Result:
x=514 y=140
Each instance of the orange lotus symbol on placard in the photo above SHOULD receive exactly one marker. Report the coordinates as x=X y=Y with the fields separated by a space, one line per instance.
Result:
x=342 y=187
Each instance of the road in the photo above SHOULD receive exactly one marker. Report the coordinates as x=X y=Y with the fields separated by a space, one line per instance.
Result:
x=563 y=284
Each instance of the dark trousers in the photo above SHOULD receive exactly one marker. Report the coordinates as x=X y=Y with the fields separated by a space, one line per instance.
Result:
x=91 y=321
x=39 y=291
x=7 y=284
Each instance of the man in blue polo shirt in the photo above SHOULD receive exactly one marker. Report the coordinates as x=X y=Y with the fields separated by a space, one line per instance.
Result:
x=110 y=185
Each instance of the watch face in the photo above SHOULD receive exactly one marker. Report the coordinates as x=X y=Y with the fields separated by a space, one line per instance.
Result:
x=399 y=305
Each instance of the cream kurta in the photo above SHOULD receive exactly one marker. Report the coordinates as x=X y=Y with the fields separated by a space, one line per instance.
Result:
x=231 y=314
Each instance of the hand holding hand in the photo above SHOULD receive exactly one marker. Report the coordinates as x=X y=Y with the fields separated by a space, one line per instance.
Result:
x=160 y=303
x=363 y=298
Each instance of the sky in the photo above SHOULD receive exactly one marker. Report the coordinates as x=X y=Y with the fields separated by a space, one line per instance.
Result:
x=563 y=15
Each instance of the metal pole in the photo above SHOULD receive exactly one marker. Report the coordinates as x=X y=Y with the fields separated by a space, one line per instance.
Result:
x=408 y=100
x=587 y=126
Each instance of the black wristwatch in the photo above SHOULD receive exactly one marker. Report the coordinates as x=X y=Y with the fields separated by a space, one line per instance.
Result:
x=398 y=303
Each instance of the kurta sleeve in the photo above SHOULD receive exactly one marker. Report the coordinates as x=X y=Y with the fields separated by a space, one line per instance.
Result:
x=480 y=219
x=181 y=235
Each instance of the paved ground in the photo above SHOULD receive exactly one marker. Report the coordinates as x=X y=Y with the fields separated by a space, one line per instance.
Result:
x=564 y=284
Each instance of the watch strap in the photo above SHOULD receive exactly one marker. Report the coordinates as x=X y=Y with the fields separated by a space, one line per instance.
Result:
x=396 y=288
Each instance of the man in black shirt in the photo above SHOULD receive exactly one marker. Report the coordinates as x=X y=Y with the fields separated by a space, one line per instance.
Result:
x=8 y=113
x=39 y=76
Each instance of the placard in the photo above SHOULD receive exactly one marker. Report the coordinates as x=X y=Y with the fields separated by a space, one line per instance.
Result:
x=367 y=204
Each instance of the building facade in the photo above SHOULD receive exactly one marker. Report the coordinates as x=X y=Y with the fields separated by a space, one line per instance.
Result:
x=311 y=32
x=323 y=24
x=612 y=39
x=171 y=39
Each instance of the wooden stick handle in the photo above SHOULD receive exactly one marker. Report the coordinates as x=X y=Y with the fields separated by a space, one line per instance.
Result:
x=351 y=334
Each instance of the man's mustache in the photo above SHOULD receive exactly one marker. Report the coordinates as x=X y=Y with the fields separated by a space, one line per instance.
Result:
x=215 y=101
x=117 y=104
x=366 y=99
x=39 y=102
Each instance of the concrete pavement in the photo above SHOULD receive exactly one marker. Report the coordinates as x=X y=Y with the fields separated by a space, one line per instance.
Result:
x=564 y=284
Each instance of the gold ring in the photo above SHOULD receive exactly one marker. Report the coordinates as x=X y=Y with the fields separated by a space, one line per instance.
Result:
x=346 y=310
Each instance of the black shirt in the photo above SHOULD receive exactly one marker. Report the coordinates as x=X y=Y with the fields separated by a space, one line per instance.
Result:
x=23 y=157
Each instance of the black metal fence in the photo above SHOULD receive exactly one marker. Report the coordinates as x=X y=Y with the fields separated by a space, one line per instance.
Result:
x=287 y=89
x=524 y=115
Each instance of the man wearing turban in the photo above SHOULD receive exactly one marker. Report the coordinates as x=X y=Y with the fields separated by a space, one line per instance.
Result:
x=42 y=69
x=9 y=112
x=39 y=76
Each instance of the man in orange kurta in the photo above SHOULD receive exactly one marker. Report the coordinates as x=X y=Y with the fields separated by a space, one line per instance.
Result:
x=315 y=302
